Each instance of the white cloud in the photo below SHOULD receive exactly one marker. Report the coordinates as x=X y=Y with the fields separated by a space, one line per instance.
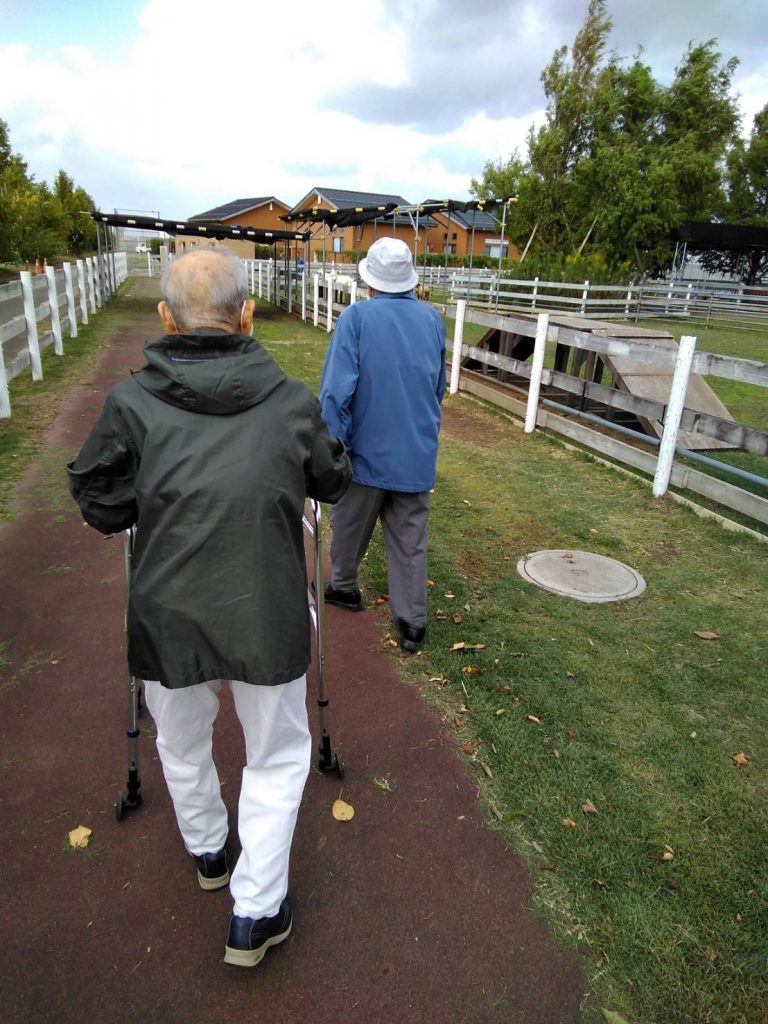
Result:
x=205 y=103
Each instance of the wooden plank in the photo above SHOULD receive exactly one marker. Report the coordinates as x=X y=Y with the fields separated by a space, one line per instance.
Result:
x=694 y=421
x=725 y=494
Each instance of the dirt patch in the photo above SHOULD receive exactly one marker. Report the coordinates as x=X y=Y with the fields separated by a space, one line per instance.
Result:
x=465 y=422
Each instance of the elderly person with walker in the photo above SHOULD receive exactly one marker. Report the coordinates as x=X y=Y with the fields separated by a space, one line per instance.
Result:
x=210 y=451
x=381 y=391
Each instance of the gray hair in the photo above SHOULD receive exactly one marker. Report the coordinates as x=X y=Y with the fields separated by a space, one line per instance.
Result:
x=200 y=299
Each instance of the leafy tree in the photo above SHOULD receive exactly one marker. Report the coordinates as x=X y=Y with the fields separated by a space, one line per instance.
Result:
x=746 y=202
x=36 y=221
x=620 y=160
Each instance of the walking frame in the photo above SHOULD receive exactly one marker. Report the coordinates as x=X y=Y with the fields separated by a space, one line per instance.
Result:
x=129 y=798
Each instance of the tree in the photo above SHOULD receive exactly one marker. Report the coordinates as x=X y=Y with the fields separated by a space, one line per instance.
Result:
x=746 y=202
x=36 y=221
x=620 y=160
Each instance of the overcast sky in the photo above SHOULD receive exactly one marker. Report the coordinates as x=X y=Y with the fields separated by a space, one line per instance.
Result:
x=177 y=106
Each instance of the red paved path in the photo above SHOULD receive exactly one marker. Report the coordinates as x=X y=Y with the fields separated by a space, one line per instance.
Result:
x=411 y=912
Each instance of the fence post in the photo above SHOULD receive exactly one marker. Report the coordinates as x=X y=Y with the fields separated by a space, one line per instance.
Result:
x=71 y=313
x=304 y=294
x=261 y=287
x=29 y=315
x=269 y=282
x=316 y=300
x=584 y=297
x=539 y=347
x=353 y=293
x=53 y=302
x=91 y=283
x=253 y=276
x=5 y=395
x=628 y=302
x=673 y=415
x=83 y=294
x=458 y=338
x=534 y=293
x=329 y=304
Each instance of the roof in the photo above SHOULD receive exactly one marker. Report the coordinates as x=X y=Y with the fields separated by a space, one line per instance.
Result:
x=233 y=209
x=482 y=221
x=722 y=237
x=341 y=198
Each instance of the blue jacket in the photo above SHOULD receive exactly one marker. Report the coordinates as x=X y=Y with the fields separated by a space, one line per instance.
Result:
x=381 y=390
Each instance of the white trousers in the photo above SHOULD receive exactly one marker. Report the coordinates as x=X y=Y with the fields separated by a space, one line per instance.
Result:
x=278 y=749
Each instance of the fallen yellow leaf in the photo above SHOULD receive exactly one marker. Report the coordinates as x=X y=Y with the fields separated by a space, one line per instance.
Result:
x=342 y=811
x=706 y=634
x=78 y=837
x=534 y=719
x=458 y=647
x=569 y=823
x=740 y=759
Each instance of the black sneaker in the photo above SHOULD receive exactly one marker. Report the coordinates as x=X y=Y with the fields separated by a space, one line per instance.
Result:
x=411 y=637
x=352 y=600
x=212 y=870
x=249 y=939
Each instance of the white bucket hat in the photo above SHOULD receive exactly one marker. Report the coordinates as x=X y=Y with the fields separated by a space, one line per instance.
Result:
x=388 y=267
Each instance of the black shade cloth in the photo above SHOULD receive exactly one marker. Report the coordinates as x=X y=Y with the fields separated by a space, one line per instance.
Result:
x=700 y=234
x=205 y=230
x=363 y=214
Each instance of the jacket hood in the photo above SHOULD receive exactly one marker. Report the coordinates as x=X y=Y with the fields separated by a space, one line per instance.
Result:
x=209 y=371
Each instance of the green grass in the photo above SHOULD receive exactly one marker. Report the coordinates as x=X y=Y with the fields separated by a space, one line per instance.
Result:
x=635 y=712
x=34 y=403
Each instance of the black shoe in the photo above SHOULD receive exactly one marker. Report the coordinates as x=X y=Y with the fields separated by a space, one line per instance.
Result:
x=212 y=870
x=249 y=940
x=352 y=600
x=411 y=637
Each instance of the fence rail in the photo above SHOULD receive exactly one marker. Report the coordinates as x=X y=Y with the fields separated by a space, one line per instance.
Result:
x=56 y=300
x=673 y=414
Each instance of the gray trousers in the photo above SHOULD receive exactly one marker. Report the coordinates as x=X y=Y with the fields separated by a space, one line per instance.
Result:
x=404 y=519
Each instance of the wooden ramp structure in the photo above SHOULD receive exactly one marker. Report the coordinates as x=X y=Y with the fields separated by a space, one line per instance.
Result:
x=643 y=380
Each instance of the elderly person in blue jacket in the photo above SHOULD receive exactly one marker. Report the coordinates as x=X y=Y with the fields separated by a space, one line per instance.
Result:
x=381 y=389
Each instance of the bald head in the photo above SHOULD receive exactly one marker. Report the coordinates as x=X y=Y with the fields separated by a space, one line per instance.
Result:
x=204 y=288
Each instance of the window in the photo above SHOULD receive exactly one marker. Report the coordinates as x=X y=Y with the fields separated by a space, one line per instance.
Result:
x=495 y=247
x=338 y=245
x=450 y=249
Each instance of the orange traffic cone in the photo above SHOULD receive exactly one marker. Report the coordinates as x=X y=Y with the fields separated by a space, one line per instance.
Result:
x=37 y=265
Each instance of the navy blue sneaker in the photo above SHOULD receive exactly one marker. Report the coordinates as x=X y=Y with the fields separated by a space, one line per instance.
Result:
x=212 y=870
x=249 y=939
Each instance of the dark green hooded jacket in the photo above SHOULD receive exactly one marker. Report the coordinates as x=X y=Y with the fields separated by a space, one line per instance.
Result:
x=211 y=451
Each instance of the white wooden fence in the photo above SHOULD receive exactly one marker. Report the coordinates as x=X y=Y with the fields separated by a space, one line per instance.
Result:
x=683 y=360
x=56 y=300
x=696 y=302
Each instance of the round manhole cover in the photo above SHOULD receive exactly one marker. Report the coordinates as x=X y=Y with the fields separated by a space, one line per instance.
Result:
x=580 y=574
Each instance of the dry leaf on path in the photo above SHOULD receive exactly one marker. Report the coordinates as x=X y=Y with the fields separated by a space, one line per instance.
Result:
x=706 y=634
x=78 y=837
x=468 y=749
x=382 y=783
x=342 y=811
